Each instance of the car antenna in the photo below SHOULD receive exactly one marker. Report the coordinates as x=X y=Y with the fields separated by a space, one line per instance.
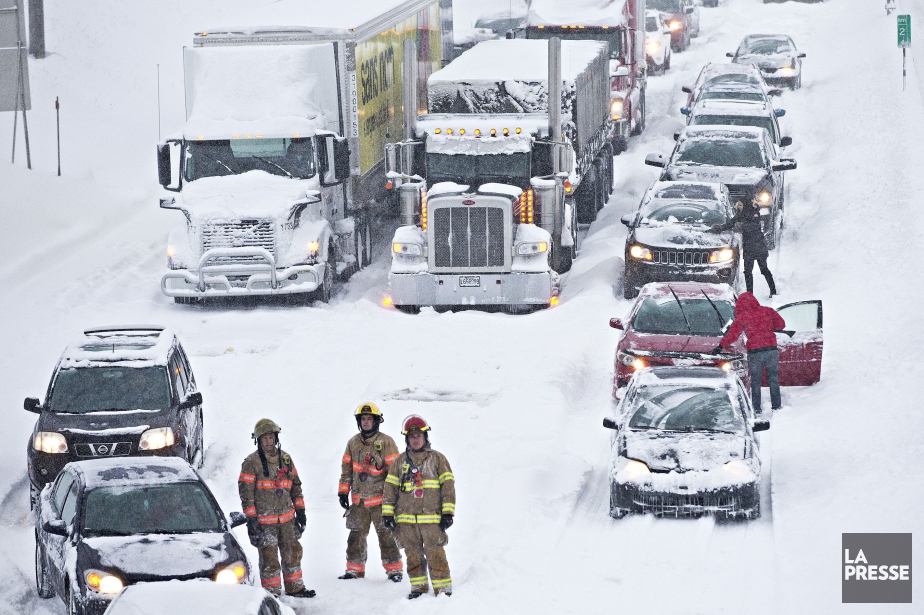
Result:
x=682 y=313
x=717 y=313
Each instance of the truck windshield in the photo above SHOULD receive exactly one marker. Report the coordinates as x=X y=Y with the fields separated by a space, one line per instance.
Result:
x=589 y=33
x=476 y=170
x=665 y=316
x=665 y=6
x=286 y=157
x=737 y=120
x=92 y=389
x=721 y=153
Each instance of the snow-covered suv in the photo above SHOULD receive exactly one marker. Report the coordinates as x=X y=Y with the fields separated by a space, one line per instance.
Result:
x=116 y=391
x=738 y=113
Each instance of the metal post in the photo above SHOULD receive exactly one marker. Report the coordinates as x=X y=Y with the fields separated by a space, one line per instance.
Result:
x=37 y=28
x=158 y=102
x=22 y=98
x=555 y=97
x=15 y=122
x=58 y=120
x=409 y=71
x=904 y=72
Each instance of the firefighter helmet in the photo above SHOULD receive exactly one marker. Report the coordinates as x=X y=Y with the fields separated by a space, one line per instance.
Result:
x=368 y=407
x=414 y=423
x=265 y=426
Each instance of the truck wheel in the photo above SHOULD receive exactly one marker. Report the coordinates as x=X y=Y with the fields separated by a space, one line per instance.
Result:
x=610 y=168
x=601 y=194
x=324 y=291
x=586 y=199
x=640 y=125
x=562 y=257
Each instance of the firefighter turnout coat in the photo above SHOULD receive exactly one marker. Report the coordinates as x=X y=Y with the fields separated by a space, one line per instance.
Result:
x=364 y=467
x=273 y=498
x=422 y=496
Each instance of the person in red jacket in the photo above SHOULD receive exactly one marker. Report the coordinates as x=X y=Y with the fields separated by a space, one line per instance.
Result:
x=759 y=323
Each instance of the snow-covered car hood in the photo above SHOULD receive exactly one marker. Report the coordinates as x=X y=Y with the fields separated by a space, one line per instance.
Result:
x=255 y=194
x=653 y=342
x=122 y=425
x=724 y=175
x=665 y=451
x=767 y=61
x=680 y=236
x=151 y=557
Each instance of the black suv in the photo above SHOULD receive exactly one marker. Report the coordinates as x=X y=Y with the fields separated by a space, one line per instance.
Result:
x=743 y=158
x=117 y=391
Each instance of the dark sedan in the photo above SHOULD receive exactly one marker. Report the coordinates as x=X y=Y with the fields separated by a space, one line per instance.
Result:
x=108 y=523
x=685 y=445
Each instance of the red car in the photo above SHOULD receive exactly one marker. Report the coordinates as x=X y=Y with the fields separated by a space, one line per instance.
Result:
x=680 y=323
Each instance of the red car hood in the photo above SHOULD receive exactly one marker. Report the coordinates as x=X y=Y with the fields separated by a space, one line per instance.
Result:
x=652 y=342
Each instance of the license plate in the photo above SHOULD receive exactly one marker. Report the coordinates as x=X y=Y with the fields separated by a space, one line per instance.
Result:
x=469 y=280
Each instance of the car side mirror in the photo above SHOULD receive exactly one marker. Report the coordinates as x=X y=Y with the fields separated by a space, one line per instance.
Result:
x=801 y=55
x=779 y=112
x=610 y=423
x=628 y=220
x=616 y=323
x=785 y=141
x=686 y=89
x=192 y=400
x=32 y=404
x=729 y=55
x=761 y=425
x=774 y=92
x=786 y=164
x=688 y=10
x=684 y=110
x=676 y=136
x=655 y=160
x=56 y=527
x=237 y=519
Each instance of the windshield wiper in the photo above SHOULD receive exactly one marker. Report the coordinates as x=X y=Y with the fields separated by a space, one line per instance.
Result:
x=272 y=163
x=684 y=314
x=213 y=159
x=717 y=314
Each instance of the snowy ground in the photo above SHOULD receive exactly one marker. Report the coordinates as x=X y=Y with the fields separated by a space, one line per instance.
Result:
x=515 y=401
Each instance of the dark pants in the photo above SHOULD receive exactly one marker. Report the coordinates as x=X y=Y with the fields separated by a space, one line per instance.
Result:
x=749 y=272
x=757 y=363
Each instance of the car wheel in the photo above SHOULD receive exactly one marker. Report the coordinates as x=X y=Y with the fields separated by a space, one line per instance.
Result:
x=629 y=291
x=667 y=61
x=200 y=444
x=42 y=583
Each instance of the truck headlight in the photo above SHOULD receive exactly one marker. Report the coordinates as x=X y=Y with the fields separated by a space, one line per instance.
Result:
x=49 y=442
x=640 y=252
x=534 y=247
x=617 y=108
x=674 y=25
x=103 y=582
x=234 y=573
x=157 y=438
x=407 y=249
x=721 y=256
x=763 y=198
x=625 y=358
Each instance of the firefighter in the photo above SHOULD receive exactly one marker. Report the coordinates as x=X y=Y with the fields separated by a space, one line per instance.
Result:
x=271 y=496
x=364 y=467
x=418 y=505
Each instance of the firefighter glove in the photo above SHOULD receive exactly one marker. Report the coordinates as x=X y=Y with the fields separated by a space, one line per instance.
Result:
x=446 y=522
x=253 y=531
x=389 y=522
x=300 y=522
x=344 y=501
x=717 y=350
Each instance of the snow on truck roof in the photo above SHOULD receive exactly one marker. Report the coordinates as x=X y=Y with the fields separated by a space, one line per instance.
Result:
x=209 y=598
x=133 y=471
x=137 y=344
x=517 y=60
x=610 y=13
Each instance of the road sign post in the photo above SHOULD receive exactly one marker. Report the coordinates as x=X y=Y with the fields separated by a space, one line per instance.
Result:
x=904 y=41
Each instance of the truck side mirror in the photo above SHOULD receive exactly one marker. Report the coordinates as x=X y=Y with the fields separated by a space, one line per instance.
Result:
x=167 y=165
x=341 y=159
x=622 y=71
x=327 y=160
x=32 y=404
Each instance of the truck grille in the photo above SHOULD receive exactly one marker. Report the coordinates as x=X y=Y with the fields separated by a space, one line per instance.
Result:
x=243 y=233
x=680 y=257
x=103 y=449
x=468 y=237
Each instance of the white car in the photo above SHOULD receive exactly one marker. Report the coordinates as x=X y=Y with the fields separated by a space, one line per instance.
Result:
x=657 y=42
x=195 y=598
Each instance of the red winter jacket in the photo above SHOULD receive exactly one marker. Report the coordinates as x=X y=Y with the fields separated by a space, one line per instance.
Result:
x=757 y=321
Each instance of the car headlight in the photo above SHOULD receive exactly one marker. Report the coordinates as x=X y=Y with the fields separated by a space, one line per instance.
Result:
x=738 y=468
x=763 y=198
x=535 y=247
x=233 y=574
x=407 y=249
x=675 y=25
x=617 y=108
x=49 y=442
x=153 y=439
x=640 y=252
x=721 y=256
x=625 y=358
x=787 y=71
x=103 y=582
x=629 y=470
x=653 y=45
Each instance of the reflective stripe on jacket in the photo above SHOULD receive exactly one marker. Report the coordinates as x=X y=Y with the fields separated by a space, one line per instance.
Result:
x=273 y=498
x=436 y=488
x=370 y=457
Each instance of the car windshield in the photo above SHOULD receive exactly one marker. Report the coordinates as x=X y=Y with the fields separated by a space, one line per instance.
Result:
x=667 y=316
x=665 y=6
x=764 y=47
x=732 y=95
x=476 y=170
x=707 y=213
x=684 y=408
x=285 y=157
x=651 y=24
x=733 y=78
x=90 y=389
x=721 y=153
x=177 y=508
x=736 y=120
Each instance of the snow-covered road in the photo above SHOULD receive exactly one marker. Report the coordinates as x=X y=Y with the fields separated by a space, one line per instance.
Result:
x=515 y=401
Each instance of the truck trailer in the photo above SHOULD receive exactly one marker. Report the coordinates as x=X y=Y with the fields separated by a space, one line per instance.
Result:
x=487 y=179
x=279 y=167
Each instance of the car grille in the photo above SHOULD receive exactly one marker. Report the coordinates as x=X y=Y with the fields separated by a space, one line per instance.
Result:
x=680 y=257
x=683 y=504
x=243 y=233
x=103 y=449
x=468 y=237
x=769 y=70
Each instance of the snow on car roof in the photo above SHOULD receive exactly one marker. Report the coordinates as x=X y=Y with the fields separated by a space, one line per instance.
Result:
x=133 y=471
x=732 y=86
x=677 y=375
x=209 y=598
x=714 y=68
x=685 y=190
x=779 y=37
x=609 y=13
x=718 y=131
x=140 y=346
x=723 y=292
x=523 y=60
x=723 y=106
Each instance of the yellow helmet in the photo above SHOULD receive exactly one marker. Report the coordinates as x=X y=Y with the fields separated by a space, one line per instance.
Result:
x=265 y=426
x=368 y=407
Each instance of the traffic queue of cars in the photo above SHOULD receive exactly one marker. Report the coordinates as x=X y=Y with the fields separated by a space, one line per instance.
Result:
x=685 y=440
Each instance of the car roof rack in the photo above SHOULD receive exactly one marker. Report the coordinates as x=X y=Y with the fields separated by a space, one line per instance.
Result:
x=124 y=329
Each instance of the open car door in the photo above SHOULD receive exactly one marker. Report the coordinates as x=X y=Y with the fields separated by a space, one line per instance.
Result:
x=800 y=353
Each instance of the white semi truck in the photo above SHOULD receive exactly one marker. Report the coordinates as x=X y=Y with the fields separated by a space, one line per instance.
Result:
x=491 y=179
x=279 y=167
